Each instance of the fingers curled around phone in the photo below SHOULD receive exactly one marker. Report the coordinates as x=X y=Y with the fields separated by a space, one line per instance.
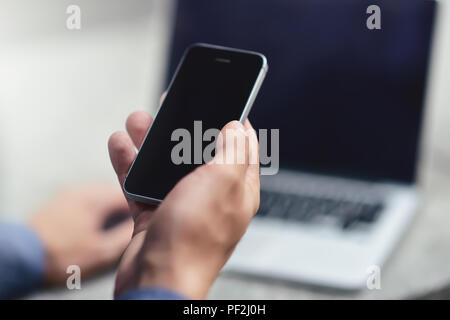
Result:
x=137 y=126
x=122 y=153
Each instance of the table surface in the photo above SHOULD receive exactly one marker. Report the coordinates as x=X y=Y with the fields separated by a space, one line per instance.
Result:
x=115 y=57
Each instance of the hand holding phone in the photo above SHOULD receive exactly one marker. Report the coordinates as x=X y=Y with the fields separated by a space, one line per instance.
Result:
x=183 y=244
x=212 y=86
x=191 y=235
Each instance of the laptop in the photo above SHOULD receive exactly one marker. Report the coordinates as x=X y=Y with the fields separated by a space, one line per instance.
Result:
x=349 y=103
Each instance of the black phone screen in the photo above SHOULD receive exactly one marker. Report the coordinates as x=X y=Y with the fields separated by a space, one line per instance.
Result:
x=210 y=89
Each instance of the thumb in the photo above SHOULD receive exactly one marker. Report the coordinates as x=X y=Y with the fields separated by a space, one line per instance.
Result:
x=232 y=148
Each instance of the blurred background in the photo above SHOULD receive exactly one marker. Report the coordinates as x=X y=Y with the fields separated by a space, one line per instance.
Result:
x=62 y=93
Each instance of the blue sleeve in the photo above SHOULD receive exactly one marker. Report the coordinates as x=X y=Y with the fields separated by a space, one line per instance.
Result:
x=22 y=259
x=150 y=294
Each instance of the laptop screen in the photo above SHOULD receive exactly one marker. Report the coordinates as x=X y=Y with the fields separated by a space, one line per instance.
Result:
x=347 y=100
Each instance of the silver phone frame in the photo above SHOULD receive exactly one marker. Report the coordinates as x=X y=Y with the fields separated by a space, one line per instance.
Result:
x=257 y=85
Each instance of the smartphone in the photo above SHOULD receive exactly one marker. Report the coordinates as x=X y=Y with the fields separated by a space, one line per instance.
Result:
x=212 y=86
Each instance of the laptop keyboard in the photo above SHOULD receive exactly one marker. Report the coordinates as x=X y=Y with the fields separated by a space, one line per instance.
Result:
x=308 y=209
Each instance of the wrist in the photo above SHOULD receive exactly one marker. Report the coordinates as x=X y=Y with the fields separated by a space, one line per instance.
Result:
x=42 y=236
x=184 y=278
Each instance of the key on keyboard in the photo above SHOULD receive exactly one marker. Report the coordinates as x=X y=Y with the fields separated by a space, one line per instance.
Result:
x=305 y=209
